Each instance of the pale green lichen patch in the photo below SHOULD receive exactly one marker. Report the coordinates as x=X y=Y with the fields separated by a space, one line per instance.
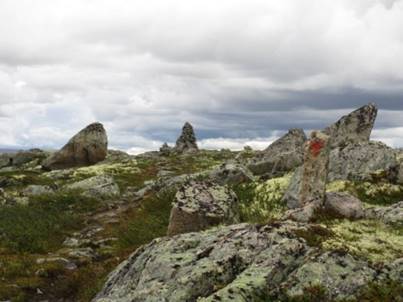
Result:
x=261 y=202
x=374 y=193
x=370 y=239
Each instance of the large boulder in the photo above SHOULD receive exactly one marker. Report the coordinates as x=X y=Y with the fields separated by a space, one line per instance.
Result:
x=86 y=148
x=199 y=205
x=355 y=127
x=368 y=161
x=282 y=156
x=343 y=205
x=186 y=142
x=241 y=263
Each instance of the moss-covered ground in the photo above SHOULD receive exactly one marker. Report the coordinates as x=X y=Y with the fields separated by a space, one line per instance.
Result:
x=36 y=230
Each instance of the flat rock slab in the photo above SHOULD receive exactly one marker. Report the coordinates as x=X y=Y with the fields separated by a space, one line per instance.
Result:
x=238 y=263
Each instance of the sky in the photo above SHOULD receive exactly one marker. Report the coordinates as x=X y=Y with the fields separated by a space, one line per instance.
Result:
x=241 y=71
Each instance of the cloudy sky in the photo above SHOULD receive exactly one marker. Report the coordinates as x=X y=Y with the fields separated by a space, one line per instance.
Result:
x=242 y=72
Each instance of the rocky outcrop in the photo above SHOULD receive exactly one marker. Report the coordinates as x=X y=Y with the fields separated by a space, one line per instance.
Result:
x=240 y=263
x=101 y=186
x=391 y=215
x=22 y=157
x=87 y=147
x=370 y=161
x=283 y=155
x=199 y=205
x=355 y=127
x=187 y=140
x=343 y=205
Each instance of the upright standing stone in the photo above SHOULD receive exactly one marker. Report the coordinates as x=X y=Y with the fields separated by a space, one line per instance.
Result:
x=355 y=127
x=312 y=187
x=87 y=147
x=187 y=140
x=315 y=168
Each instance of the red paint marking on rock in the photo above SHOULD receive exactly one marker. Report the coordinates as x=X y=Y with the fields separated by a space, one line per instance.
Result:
x=316 y=146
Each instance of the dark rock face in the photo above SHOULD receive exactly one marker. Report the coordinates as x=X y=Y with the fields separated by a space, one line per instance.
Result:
x=187 y=140
x=86 y=148
x=248 y=262
x=355 y=127
x=283 y=155
x=199 y=205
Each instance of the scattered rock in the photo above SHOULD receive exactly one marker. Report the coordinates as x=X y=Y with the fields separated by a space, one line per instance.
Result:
x=392 y=214
x=165 y=150
x=86 y=148
x=33 y=190
x=282 y=156
x=355 y=127
x=101 y=186
x=187 y=140
x=199 y=205
x=343 y=205
x=66 y=263
x=237 y=263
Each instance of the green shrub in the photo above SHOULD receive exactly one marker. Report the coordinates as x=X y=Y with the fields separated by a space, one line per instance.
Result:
x=42 y=225
x=149 y=221
x=260 y=203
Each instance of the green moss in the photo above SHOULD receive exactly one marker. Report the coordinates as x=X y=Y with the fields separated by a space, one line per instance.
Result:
x=369 y=239
x=372 y=193
x=260 y=203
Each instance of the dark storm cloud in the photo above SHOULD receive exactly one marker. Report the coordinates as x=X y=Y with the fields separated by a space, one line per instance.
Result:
x=242 y=72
